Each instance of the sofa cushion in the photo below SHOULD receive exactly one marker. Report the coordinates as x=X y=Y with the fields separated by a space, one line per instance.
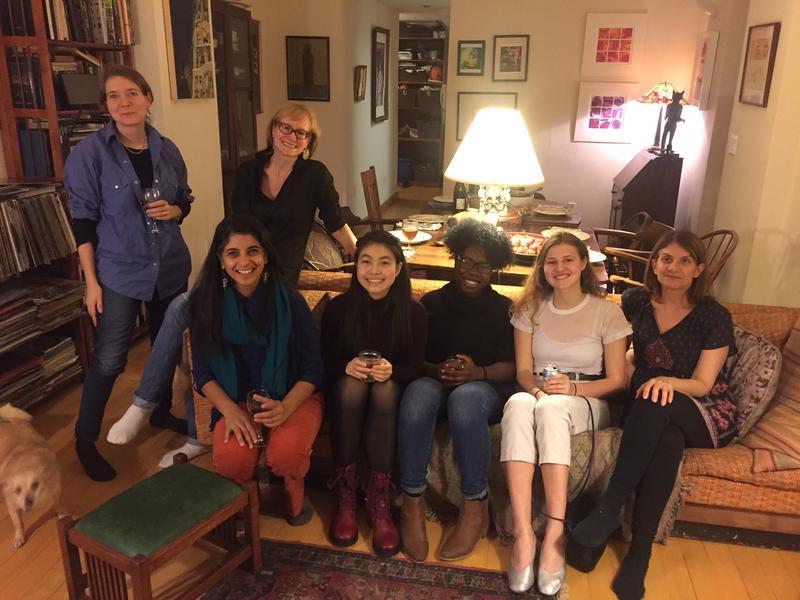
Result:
x=735 y=463
x=711 y=491
x=775 y=439
x=754 y=372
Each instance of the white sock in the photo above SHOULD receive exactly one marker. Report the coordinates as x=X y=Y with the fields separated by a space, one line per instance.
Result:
x=131 y=423
x=189 y=449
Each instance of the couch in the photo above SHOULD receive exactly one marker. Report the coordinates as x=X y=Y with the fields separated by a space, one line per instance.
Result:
x=715 y=486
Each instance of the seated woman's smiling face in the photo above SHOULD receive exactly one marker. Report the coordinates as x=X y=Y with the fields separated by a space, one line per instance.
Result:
x=243 y=260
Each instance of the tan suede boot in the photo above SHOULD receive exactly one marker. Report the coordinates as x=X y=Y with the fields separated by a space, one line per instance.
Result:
x=413 y=536
x=472 y=525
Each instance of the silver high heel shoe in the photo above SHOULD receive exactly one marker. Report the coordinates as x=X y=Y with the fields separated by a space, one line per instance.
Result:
x=520 y=580
x=550 y=583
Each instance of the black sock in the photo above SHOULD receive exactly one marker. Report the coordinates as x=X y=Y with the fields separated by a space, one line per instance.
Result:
x=628 y=584
x=96 y=466
x=167 y=420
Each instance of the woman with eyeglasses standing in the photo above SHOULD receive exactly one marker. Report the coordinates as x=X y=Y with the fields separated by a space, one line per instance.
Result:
x=283 y=187
x=469 y=375
x=560 y=319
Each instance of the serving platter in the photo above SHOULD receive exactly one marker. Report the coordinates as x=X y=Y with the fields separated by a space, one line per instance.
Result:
x=420 y=238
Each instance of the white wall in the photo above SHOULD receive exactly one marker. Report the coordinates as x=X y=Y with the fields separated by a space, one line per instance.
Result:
x=760 y=187
x=350 y=143
x=193 y=126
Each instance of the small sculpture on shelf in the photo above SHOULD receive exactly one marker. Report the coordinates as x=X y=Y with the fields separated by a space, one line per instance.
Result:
x=672 y=118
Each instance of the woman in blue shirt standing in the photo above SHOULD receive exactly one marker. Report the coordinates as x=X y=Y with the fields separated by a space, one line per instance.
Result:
x=129 y=252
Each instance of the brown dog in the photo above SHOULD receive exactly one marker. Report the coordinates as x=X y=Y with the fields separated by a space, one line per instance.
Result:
x=29 y=473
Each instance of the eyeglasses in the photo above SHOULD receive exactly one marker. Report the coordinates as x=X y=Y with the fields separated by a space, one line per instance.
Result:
x=467 y=264
x=286 y=129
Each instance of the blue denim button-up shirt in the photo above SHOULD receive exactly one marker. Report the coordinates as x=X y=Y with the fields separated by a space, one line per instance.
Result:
x=103 y=187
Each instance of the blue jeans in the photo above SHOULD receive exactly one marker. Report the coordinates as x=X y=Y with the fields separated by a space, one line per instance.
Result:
x=165 y=355
x=470 y=409
x=112 y=338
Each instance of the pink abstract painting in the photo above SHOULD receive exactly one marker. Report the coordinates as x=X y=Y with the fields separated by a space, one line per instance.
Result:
x=614 y=45
x=606 y=112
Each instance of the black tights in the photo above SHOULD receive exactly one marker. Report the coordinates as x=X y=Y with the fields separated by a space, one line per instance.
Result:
x=369 y=409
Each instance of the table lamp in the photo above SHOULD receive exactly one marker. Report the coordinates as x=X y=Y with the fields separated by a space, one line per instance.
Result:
x=661 y=94
x=496 y=154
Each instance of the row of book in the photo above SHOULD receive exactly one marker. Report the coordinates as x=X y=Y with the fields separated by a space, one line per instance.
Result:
x=25 y=77
x=34 y=230
x=30 y=372
x=95 y=21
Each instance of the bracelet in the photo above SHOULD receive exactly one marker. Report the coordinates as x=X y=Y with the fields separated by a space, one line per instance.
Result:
x=535 y=390
x=484 y=373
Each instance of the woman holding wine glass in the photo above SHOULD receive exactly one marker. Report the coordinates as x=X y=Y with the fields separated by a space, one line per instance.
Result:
x=254 y=339
x=130 y=251
x=376 y=314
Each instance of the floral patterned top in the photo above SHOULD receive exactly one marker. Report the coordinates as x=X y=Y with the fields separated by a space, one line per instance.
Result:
x=675 y=353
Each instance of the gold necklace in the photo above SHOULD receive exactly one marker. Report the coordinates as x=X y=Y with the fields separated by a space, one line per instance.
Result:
x=136 y=150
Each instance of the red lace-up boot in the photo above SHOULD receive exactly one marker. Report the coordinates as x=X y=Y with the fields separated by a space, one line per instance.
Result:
x=344 y=530
x=380 y=491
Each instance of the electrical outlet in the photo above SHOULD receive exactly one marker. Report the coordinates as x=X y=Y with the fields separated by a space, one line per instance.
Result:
x=733 y=142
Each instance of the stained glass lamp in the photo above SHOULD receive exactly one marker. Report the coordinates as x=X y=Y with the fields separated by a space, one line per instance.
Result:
x=660 y=94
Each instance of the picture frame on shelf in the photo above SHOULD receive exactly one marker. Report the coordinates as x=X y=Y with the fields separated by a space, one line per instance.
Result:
x=380 y=74
x=613 y=45
x=190 y=49
x=469 y=103
x=759 y=62
x=510 y=58
x=703 y=70
x=604 y=111
x=308 y=68
x=359 y=83
x=471 y=57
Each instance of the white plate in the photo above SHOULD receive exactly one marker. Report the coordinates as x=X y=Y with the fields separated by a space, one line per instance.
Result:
x=427 y=219
x=555 y=210
x=595 y=256
x=421 y=237
x=578 y=233
x=443 y=199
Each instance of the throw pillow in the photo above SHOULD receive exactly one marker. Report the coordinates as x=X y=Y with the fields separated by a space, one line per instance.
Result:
x=775 y=439
x=319 y=309
x=754 y=372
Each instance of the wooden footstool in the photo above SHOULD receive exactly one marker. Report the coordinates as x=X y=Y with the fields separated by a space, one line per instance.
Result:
x=145 y=526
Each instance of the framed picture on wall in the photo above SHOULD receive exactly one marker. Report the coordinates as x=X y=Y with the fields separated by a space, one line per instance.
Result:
x=510 y=60
x=613 y=46
x=471 y=57
x=308 y=68
x=759 y=61
x=189 y=49
x=703 y=69
x=359 y=82
x=380 y=74
x=469 y=103
x=603 y=113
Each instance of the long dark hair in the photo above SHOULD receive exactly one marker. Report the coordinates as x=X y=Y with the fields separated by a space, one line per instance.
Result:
x=396 y=318
x=206 y=298
x=701 y=286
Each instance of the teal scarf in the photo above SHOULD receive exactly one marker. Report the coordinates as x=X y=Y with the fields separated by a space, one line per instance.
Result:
x=238 y=330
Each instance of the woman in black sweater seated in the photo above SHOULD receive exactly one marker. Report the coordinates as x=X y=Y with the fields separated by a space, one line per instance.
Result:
x=378 y=314
x=469 y=375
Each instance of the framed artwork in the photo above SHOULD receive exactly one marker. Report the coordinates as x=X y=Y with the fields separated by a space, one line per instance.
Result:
x=613 y=45
x=190 y=49
x=359 y=82
x=703 y=69
x=308 y=68
x=255 y=64
x=380 y=74
x=510 y=59
x=603 y=113
x=469 y=103
x=759 y=61
x=471 y=57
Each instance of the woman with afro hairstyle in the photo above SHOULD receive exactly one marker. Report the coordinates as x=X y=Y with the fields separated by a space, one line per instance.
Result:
x=468 y=376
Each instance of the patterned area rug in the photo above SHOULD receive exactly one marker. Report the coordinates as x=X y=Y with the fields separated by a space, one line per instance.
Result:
x=298 y=571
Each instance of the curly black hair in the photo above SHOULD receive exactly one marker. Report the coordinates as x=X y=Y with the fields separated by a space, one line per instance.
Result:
x=471 y=232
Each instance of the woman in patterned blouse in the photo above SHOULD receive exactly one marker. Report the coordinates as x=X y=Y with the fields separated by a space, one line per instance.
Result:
x=680 y=397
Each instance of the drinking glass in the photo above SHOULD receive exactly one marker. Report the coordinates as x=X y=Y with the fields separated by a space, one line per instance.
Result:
x=254 y=407
x=150 y=195
x=370 y=358
x=410 y=228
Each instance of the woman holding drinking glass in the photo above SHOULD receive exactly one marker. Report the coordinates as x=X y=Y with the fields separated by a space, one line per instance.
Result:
x=378 y=314
x=130 y=251
x=253 y=338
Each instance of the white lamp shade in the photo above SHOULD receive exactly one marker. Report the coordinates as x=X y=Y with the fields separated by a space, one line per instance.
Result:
x=497 y=150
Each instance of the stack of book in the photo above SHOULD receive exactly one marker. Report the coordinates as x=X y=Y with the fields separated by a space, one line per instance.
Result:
x=57 y=356
x=21 y=379
x=73 y=131
x=95 y=21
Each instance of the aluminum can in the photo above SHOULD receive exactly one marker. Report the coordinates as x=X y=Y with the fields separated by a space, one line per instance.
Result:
x=549 y=371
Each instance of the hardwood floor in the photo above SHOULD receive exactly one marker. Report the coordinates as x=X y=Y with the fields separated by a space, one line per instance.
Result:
x=680 y=570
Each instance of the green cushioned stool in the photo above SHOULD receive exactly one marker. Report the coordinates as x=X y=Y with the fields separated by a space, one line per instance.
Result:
x=141 y=529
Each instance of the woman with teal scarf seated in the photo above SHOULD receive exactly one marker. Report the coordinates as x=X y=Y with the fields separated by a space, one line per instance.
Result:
x=250 y=332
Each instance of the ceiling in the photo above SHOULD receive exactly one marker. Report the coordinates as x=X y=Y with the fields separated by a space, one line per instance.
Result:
x=416 y=5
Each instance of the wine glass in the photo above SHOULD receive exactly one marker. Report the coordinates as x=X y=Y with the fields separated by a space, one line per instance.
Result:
x=370 y=358
x=254 y=407
x=151 y=195
x=410 y=228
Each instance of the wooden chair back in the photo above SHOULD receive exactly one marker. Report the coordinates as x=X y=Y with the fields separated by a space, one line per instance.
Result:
x=720 y=244
x=370 y=182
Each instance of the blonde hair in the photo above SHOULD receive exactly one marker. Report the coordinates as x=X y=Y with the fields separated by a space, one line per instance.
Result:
x=537 y=289
x=296 y=111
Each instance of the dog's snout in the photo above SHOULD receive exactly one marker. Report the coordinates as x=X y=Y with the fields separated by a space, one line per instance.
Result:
x=28 y=503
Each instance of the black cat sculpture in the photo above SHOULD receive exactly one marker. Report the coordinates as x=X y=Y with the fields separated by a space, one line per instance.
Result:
x=672 y=118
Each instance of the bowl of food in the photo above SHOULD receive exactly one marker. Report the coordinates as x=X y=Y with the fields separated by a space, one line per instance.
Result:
x=525 y=245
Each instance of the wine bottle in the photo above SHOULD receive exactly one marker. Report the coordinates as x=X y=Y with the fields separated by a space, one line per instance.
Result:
x=459 y=197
